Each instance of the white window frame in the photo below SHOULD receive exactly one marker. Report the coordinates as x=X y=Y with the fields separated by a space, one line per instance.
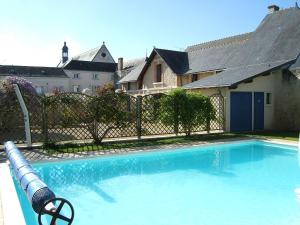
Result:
x=94 y=88
x=95 y=76
x=270 y=98
x=76 y=76
x=76 y=88
x=40 y=89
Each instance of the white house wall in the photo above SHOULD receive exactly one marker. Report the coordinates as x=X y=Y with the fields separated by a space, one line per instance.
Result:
x=86 y=80
x=49 y=84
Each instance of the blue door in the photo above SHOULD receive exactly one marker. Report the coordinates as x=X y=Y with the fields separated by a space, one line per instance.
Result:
x=240 y=111
x=259 y=110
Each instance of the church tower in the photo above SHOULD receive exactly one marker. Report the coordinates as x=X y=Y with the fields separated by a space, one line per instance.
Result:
x=65 y=51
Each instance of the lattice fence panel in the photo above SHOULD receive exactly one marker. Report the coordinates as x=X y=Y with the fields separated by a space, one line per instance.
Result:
x=75 y=116
x=128 y=104
x=216 y=124
x=151 y=122
x=64 y=117
x=217 y=101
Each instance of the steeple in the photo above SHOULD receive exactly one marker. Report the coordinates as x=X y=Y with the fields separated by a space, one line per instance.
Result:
x=65 y=51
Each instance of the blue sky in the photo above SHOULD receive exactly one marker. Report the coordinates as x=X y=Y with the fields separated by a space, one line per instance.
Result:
x=33 y=31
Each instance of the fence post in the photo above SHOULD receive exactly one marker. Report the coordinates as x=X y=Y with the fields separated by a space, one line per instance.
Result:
x=139 y=103
x=176 y=112
x=223 y=99
x=208 y=124
x=25 y=114
x=44 y=120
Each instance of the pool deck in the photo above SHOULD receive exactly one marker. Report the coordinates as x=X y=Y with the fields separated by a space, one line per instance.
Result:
x=36 y=155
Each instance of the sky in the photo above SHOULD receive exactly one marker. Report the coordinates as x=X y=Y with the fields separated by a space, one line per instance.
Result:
x=33 y=31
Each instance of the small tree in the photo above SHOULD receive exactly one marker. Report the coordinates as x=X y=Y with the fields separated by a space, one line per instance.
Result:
x=186 y=109
x=97 y=114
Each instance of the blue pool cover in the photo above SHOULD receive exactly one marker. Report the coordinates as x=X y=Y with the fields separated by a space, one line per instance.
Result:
x=36 y=190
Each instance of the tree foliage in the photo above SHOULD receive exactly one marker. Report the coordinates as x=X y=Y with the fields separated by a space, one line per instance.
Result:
x=187 y=110
x=11 y=117
x=97 y=114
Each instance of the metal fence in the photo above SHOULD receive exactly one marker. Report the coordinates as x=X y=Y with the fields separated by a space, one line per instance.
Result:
x=76 y=116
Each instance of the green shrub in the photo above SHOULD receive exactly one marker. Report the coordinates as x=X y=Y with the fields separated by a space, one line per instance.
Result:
x=186 y=109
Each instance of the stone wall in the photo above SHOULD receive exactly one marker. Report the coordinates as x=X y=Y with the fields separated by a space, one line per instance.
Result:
x=287 y=102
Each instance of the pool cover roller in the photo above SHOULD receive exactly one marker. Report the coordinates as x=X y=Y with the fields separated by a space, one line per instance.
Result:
x=36 y=190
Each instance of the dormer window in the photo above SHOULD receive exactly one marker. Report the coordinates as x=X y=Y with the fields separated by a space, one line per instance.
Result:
x=95 y=77
x=76 y=76
x=158 y=73
x=128 y=86
x=194 y=77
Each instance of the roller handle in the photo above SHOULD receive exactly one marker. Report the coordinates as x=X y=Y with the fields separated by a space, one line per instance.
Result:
x=55 y=212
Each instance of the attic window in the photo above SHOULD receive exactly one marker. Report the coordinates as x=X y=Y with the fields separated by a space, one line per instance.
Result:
x=95 y=76
x=194 y=77
x=268 y=98
x=158 y=73
x=103 y=54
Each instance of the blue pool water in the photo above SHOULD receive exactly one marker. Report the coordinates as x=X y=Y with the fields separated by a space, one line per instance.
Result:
x=249 y=183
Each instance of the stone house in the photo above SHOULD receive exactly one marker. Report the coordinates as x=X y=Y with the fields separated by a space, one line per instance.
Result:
x=257 y=73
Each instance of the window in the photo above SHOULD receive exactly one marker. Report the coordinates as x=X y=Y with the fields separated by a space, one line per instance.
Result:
x=76 y=88
x=95 y=77
x=128 y=86
x=268 y=98
x=76 y=76
x=40 y=90
x=94 y=88
x=194 y=77
x=158 y=73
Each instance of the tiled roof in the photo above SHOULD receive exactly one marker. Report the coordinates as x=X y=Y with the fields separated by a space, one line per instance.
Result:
x=88 y=55
x=134 y=74
x=177 y=61
x=234 y=76
x=221 y=42
x=133 y=62
x=31 y=71
x=91 y=66
x=277 y=39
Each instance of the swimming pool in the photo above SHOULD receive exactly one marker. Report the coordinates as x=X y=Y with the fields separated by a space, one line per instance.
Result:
x=249 y=183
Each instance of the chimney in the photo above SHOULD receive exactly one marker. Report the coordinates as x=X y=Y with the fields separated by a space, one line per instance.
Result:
x=273 y=8
x=120 y=63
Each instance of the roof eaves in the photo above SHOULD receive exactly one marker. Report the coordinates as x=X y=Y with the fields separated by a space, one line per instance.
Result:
x=284 y=64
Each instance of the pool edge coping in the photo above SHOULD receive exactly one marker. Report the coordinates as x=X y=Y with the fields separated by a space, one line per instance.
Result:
x=136 y=150
x=12 y=212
